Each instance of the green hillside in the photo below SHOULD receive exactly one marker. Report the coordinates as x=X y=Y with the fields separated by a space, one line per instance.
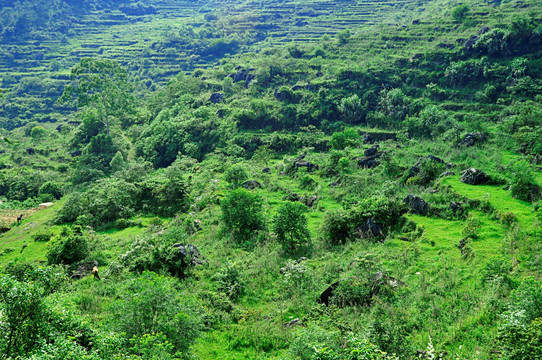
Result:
x=316 y=180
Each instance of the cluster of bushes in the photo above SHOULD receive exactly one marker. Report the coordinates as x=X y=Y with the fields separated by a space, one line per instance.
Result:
x=121 y=197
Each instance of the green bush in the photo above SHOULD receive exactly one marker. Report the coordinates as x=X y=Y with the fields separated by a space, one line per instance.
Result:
x=230 y=281
x=151 y=304
x=291 y=227
x=51 y=188
x=242 y=216
x=336 y=227
x=68 y=249
x=236 y=175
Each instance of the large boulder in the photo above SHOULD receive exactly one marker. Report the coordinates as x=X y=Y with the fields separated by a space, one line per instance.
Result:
x=473 y=176
x=370 y=230
x=416 y=204
x=300 y=162
x=309 y=200
x=373 y=150
x=455 y=208
x=472 y=139
x=216 y=97
x=189 y=254
x=251 y=185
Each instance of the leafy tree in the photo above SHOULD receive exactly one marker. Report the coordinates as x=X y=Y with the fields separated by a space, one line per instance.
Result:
x=460 y=12
x=100 y=84
x=291 y=226
x=117 y=163
x=348 y=137
x=236 y=175
x=152 y=304
x=343 y=36
x=69 y=249
x=242 y=215
x=523 y=185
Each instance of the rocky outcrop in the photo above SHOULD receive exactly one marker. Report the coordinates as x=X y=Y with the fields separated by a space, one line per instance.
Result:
x=189 y=254
x=370 y=230
x=473 y=176
x=251 y=185
x=472 y=139
x=300 y=162
x=416 y=205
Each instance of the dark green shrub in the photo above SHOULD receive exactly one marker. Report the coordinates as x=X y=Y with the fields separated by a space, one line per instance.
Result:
x=42 y=236
x=242 y=216
x=151 y=304
x=51 y=188
x=236 y=175
x=229 y=281
x=348 y=137
x=291 y=226
x=68 y=249
x=336 y=227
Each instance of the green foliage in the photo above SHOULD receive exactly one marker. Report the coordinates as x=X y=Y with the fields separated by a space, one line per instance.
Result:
x=520 y=334
x=460 y=12
x=68 y=249
x=50 y=188
x=117 y=162
x=523 y=184
x=153 y=304
x=38 y=132
x=236 y=175
x=229 y=281
x=348 y=137
x=343 y=36
x=103 y=85
x=156 y=253
x=242 y=216
x=290 y=225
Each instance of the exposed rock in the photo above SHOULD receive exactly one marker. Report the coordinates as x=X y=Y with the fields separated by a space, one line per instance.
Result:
x=301 y=259
x=463 y=246
x=216 y=97
x=327 y=294
x=446 y=46
x=30 y=151
x=447 y=173
x=472 y=138
x=266 y=170
x=469 y=44
x=455 y=208
x=299 y=162
x=416 y=168
x=84 y=269
x=373 y=150
x=483 y=30
x=416 y=204
x=368 y=162
x=309 y=200
x=291 y=197
x=240 y=76
x=45 y=205
x=294 y=322
x=416 y=22
x=370 y=230
x=474 y=176
x=251 y=185
x=371 y=138
x=248 y=80
x=75 y=153
x=375 y=283
x=189 y=254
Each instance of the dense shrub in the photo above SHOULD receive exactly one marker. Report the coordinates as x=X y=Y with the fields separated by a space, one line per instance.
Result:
x=291 y=226
x=242 y=216
x=151 y=304
x=68 y=249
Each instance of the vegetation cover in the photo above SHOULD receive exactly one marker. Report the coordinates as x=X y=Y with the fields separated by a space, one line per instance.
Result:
x=288 y=179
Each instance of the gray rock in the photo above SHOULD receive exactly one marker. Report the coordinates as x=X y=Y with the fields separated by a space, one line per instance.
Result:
x=416 y=204
x=251 y=185
x=473 y=176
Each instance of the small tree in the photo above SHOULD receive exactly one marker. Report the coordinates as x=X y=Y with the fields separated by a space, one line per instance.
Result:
x=69 y=249
x=236 y=175
x=242 y=215
x=100 y=84
x=291 y=226
x=460 y=12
